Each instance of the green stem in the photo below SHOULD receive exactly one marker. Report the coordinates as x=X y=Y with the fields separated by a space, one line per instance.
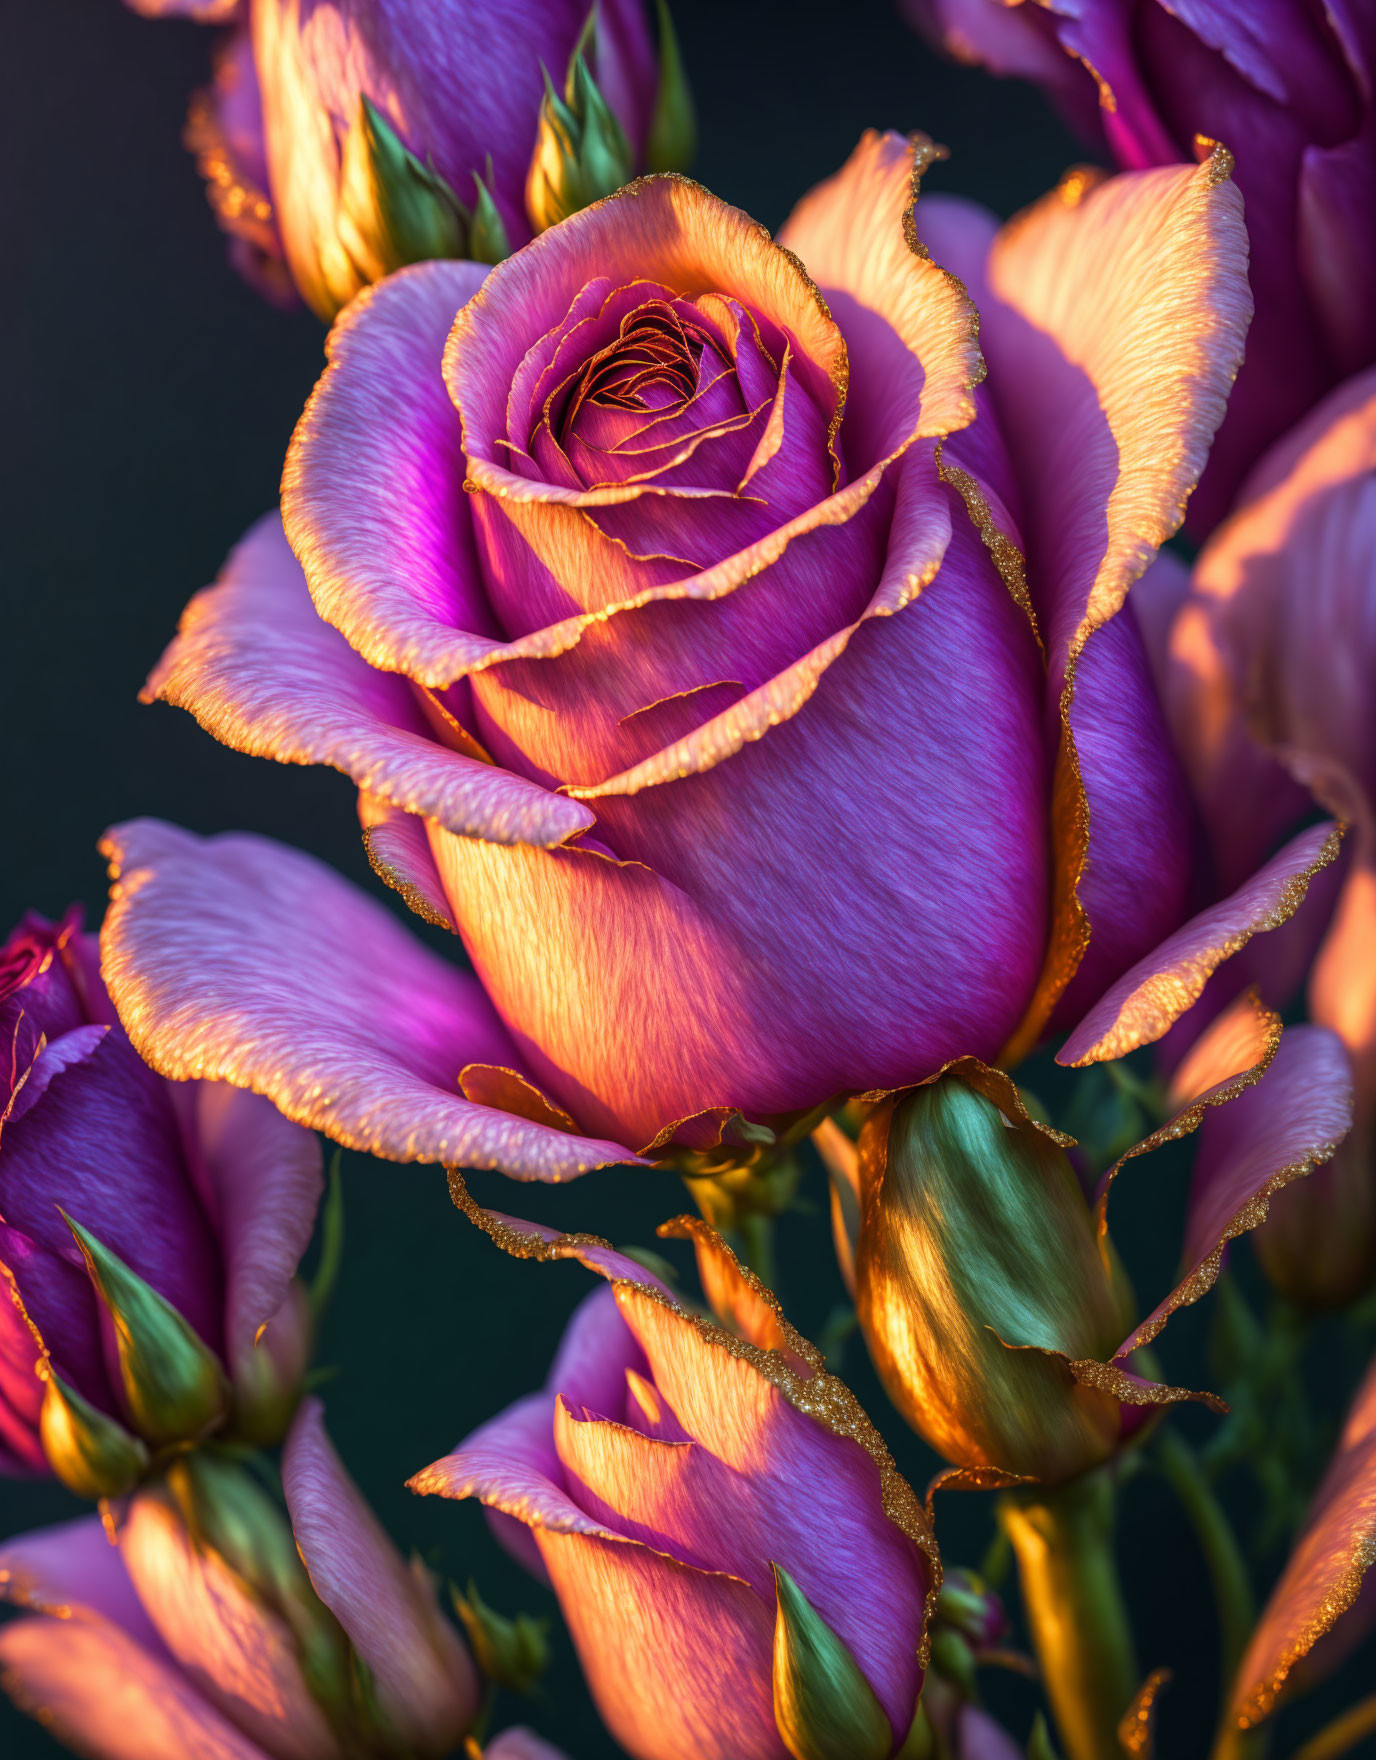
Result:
x=1343 y=1734
x=1062 y=1536
x=1227 y=1570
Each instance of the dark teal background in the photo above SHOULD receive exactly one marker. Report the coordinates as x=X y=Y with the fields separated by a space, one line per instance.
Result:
x=149 y=398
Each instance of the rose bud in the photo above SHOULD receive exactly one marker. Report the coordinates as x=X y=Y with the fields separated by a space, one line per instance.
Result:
x=593 y=571
x=1288 y=89
x=1270 y=654
x=987 y=1285
x=654 y=1482
x=150 y=1237
x=215 y=1625
x=340 y=143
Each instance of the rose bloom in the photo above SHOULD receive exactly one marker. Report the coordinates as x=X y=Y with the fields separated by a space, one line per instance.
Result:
x=752 y=689
x=1287 y=86
x=1268 y=654
x=155 y=1649
x=458 y=80
x=205 y=1192
x=680 y=1484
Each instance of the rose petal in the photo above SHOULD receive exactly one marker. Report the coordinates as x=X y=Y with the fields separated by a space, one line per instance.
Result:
x=102 y=1694
x=151 y=1216
x=425 y=1679
x=734 y=1293
x=399 y=851
x=70 y=1570
x=266 y=1176
x=241 y=1655
x=1145 y=1001
x=261 y=670
x=679 y=1661
x=689 y=993
x=1109 y=404
x=911 y=330
x=1322 y=1578
x=235 y=959
x=521 y=1744
x=1274 y=1131
x=372 y=496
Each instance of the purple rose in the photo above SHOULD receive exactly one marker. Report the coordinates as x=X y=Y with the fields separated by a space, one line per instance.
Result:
x=204 y=1192
x=753 y=689
x=1287 y=87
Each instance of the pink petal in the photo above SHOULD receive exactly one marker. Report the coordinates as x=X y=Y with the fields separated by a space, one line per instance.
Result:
x=261 y=670
x=1274 y=1132
x=521 y=1744
x=241 y=1655
x=679 y=1661
x=910 y=328
x=235 y=959
x=102 y=1694
x=784 y=1488
x=1142 y=1005
x=73 y=1570
x=372 y=496
x=1324 y=1574
x=426 y=1682
x=265 y=1174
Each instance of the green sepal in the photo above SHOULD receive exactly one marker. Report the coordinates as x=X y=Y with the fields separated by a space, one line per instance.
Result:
x=673 y=138
x=1039 y=1743
x=487 y=238
x=174 y=1387
x=953 y=1660
x=513 y=1653
x=581 y=151
x=92 y=1454
x=393 y=210
x=824 y=1707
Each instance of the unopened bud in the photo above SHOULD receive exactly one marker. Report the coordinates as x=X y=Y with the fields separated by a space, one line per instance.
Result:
x=393 y=210
x=954 y=1661
x=965 y=1604
x=174 y=1387
x=92 y=1454
x=513 y=1653
x=224 y=1508
x=824 y=1707
x=978 y=1272
x=581 y=151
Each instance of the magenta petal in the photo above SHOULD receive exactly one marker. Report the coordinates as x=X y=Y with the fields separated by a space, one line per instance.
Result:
x=104 y=1695
x=425 y=1680
x=261 y=670
x=236 y=959
x=265 y=1174
x=1144 y=1003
